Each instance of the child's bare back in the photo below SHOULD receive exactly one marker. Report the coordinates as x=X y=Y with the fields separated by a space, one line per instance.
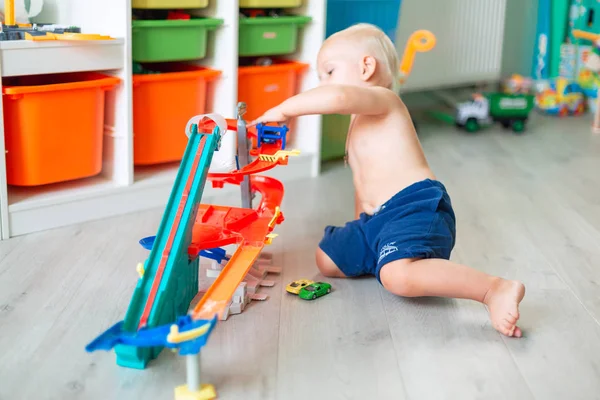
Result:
x=405 y=227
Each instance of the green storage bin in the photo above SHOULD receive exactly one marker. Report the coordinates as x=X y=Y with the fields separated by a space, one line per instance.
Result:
x=168 y=4
x=269 y=3
x=269 y=36
x=171 y=40
x=333 y=138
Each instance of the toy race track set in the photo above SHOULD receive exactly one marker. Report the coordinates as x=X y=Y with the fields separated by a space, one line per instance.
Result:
x=159 y=314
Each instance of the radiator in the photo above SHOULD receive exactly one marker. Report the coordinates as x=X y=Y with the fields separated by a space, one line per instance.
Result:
x=469 y=41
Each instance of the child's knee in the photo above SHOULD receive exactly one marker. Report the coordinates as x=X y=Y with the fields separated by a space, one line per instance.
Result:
x=396 y=277
x=327 y=266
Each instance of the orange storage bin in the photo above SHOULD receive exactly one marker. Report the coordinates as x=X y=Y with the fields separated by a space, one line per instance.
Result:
x=162 y=105
x=264 y=87
x=53 y=126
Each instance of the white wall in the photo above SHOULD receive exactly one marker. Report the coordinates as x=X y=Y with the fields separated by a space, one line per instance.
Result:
x=56 y=12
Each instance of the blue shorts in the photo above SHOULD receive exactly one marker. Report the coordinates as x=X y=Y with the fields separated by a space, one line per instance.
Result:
x=417 y=222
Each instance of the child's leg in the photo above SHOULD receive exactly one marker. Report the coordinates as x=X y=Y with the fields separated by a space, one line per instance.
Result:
x=327 y=266
x=442 y=278
x=344 y=252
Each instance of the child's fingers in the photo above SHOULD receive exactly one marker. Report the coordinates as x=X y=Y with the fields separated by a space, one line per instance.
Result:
x=255 y=122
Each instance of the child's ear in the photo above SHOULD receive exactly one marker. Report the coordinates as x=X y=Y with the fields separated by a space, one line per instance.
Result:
x=368 y=65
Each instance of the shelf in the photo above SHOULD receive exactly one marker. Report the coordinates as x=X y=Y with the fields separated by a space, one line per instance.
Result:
x=123 y=188
x=25 y=57
x=25 y=198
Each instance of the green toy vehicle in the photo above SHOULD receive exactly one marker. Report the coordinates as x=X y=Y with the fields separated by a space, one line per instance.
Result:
x=511 y=110
x=315 y=290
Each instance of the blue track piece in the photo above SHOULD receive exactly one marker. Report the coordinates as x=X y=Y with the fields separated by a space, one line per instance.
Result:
x=218 y=254
x=148 y=242
x=154 y=337
x=271 y=134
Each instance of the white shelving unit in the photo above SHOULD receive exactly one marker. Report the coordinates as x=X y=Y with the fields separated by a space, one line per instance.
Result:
x=121 y=188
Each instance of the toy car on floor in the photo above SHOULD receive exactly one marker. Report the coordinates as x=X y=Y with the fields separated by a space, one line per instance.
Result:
x=296 y=286
x=315 y=290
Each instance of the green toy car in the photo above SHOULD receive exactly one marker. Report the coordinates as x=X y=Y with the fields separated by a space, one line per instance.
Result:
x=315 y=290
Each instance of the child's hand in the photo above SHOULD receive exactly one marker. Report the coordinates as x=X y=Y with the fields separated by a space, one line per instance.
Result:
x=273 y=115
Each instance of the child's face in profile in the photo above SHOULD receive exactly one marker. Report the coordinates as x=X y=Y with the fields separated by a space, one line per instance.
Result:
x=338 y=63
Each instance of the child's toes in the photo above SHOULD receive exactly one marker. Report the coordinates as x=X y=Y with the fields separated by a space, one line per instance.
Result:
x=518 y=332
x=509 y=328
x=503 y=328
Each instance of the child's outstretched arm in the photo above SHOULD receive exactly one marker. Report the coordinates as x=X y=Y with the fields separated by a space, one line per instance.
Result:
x=332 y=99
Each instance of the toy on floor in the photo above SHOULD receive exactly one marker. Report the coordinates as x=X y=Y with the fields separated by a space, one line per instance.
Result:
x=517 y=84
x=511 y=110
x=159 y=313
x=562 y=97
x=314 y=290
x=296 y=286
x=592 y=62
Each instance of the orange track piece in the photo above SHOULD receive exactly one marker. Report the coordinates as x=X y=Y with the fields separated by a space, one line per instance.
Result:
x=219 y=294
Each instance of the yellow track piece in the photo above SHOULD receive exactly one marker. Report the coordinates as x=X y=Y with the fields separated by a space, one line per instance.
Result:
x=279 y=155
x=269 y=238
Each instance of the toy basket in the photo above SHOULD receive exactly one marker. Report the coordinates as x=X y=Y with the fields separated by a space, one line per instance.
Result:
x=54 y=126
x=162 y=105
x=168 y=4
x=270 y=3
x=263 y=36
x=171 y=40
x=262 y=88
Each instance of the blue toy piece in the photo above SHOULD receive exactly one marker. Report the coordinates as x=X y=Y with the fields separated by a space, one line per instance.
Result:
x=271 y=134
x=156 y=337
x=218 y=254
x=147 y=242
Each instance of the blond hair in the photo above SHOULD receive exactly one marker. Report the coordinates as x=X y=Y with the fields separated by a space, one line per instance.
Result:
x=381 y=47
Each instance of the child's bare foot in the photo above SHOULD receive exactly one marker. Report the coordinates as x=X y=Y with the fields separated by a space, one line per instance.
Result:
x=502 y=301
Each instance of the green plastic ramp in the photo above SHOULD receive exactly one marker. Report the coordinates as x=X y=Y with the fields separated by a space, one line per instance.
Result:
x=170 y=279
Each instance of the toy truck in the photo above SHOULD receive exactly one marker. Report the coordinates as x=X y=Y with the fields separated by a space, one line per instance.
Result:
x=511 y=110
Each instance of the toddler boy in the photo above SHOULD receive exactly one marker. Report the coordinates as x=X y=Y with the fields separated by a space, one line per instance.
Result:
x=404 y=231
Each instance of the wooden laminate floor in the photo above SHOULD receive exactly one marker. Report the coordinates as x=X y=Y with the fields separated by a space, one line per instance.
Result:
x=528 y=207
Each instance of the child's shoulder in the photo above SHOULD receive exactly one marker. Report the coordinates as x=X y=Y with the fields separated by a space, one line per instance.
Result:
x=391 y=99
